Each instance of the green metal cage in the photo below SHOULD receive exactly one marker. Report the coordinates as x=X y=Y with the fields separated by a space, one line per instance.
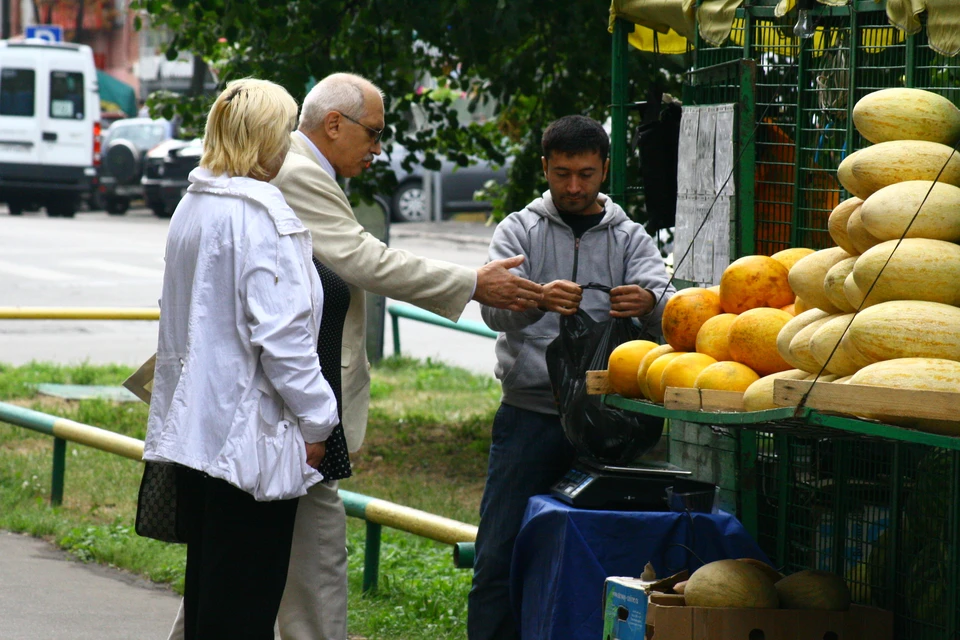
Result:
x=884 y=514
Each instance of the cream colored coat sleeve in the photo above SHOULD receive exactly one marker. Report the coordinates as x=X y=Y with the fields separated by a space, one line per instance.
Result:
x=366 y=264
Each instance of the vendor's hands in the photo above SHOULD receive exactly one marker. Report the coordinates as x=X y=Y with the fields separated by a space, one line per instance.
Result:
x=315 y=453
x=497 y=287
x=630 y=301
x=561 y=296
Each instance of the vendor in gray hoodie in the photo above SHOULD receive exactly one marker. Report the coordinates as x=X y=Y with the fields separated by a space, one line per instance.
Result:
x=573 y=234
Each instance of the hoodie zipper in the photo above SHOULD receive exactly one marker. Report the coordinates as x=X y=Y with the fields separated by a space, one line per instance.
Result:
x=576 y=257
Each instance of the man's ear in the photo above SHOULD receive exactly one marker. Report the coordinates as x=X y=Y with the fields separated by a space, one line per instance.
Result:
x=543 y=162
x=331 y=125
x=606 y=169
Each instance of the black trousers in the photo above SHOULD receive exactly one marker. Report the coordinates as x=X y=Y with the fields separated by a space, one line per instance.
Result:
x=238 y=550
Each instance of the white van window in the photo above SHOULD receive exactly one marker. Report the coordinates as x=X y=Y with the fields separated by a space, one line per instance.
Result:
x=17 y=89
x=66 y=95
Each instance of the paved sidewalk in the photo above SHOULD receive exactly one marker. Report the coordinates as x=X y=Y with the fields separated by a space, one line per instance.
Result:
x=46 y=596
x=451 y=230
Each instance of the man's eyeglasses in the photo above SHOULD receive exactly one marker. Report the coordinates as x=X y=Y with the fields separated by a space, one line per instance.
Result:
x=375 y=134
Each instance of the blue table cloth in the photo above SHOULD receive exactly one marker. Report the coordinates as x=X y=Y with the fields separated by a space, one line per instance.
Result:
x=563 y=555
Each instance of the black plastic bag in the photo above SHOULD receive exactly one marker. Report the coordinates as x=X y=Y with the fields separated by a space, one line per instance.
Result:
x=598 y=431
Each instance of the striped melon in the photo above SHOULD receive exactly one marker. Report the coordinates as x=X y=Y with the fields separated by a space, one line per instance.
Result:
x=906 y=114
x=918 y=269
x=792 y=328
x=886 y=214
x=853 y=294
x=830 y=352
x=859 y=237
x=759 y=395
x=799 y=349
x=837 y=223
x=866 y=171
x=907 y=329
x=930 y=374
x=833 y=284
x=807 y=275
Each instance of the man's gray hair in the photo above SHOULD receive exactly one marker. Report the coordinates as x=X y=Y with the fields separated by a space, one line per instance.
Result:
x=341 y=92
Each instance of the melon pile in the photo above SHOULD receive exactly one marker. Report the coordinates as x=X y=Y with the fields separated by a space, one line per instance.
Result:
x=722 y=337
x=907 y=332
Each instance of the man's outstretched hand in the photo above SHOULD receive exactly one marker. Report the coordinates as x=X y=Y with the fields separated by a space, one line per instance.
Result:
x=497 y=287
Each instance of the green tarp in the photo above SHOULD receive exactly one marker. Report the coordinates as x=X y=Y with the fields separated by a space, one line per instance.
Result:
x=117 y=92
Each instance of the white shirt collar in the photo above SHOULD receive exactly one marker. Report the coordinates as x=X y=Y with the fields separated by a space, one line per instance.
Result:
x=322 y=159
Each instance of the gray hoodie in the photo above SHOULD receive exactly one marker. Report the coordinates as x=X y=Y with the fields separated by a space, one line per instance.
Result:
x=615 y=252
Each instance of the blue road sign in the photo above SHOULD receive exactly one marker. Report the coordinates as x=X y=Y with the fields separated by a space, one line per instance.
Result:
x=48 y=32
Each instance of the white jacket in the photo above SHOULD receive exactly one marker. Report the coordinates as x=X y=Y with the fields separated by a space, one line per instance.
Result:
x=237 y=385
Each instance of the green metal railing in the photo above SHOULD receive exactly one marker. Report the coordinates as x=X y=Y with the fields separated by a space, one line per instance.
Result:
x=377 y=513
x=398 y=311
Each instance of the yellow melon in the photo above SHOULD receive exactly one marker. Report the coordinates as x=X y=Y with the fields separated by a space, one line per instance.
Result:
x=799 y=347
x=685 y=313
x=799 y=306
x=712 y=339
x=753 y=339
x=833 y=284
x=913 y=269
x=789 y=257
x=645 y=363
x=907 y=329
x=730 y=584
x=715 y=288
x=837 y=223
x=655 y=375
x=682 y=372
x=790 y=308
x=754 y=281
x=868 y=170
x=887 y=213
x=807 y=276
x=831 y=352
x=726 y=376
x=623 y=364
x=906 y=114
x=860 y=238
x=791 y=329
x=759 y=395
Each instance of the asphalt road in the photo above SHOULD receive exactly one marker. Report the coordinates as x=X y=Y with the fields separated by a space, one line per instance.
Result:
x=103 y=261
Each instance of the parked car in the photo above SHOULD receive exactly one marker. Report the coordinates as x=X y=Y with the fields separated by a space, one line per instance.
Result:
x=50 y=125
x=457 y=186
x=125 y=145
x=165 y=171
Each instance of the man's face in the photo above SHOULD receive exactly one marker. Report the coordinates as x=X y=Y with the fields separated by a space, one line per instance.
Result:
x=575 y=180
x=354 y=145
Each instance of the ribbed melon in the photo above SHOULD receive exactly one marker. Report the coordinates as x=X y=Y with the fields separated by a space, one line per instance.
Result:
x=860 y=238
x=853 y=294
x=726 y=376
x=730 y=584
x=753 y=339
x=906 y=114
x=713 y=338
x=918 y=269
x=868 y=170
x=837 y=223
x=828 y=350
x=807 y=276
x=907 y=329
x=792 y=328
x=759 y=395
x=887 y=213
x=685 y=313
x=833 y=284
x=799 y=348
x=813 y=590
x=929 y=374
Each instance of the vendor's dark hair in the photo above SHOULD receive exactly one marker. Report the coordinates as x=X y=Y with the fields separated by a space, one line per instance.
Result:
x=573 y=135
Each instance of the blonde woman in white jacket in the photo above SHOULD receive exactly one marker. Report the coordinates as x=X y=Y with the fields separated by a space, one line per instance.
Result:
x=239 y=401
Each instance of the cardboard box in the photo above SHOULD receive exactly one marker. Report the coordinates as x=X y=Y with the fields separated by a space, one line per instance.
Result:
x=668 y=618
x=624 y=609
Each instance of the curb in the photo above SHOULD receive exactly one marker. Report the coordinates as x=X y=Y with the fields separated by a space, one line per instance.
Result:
x=449 y=237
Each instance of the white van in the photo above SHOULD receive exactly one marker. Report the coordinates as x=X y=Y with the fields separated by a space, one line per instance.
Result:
x=49 y=125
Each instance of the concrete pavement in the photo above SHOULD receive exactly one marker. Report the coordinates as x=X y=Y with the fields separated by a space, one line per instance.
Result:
x=46 y=596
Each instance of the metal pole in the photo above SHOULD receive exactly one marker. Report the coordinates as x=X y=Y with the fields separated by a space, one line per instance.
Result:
x=618 y=112
x=59 y=467
x=395 y=322
x=438 y=197
x=428 y=194
x=371 y=557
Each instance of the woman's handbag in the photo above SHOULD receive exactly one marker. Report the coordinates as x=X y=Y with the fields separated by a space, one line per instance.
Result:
x=159 y=515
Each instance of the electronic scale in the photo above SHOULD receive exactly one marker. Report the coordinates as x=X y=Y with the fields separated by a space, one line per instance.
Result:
x=594 y=485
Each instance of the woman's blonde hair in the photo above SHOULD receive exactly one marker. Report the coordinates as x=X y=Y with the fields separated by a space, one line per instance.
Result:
x=248 y=129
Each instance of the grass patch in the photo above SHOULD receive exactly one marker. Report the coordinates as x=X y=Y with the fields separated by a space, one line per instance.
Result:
x=426 y=447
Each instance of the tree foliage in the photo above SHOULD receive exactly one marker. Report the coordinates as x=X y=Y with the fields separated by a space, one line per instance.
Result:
x=537 y=60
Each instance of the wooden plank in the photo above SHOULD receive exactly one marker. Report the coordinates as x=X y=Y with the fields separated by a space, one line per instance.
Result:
x=717 y=400
x=598 y=383
x=858 y=400
x=682 y=398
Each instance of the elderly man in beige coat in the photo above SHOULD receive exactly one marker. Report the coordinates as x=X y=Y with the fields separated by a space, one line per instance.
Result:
x=339 y=134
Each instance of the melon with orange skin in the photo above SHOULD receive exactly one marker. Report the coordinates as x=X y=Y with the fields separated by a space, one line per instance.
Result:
x=645 y=363
x=726 y=376
x=754 y=281
x=789 y=257
x=623 y=364
x=682 y=371
x=712 y=337
x=790 y=308
x=753 y=339
x=655 y=389
x=685 y=313
x=715 y=288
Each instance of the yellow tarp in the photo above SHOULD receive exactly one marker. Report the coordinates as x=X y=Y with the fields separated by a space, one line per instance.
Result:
x=943 y=21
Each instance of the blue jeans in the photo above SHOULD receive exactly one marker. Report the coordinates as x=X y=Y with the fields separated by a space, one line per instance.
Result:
x=528 y=454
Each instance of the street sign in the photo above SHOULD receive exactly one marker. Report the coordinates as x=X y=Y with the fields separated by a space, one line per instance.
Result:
x=48 y=32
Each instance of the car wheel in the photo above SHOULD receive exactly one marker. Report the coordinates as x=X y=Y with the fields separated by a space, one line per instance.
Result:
x=160 y=210
x=408 y=204
x=61 y=208
x=117 y=206
x=16 y=208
